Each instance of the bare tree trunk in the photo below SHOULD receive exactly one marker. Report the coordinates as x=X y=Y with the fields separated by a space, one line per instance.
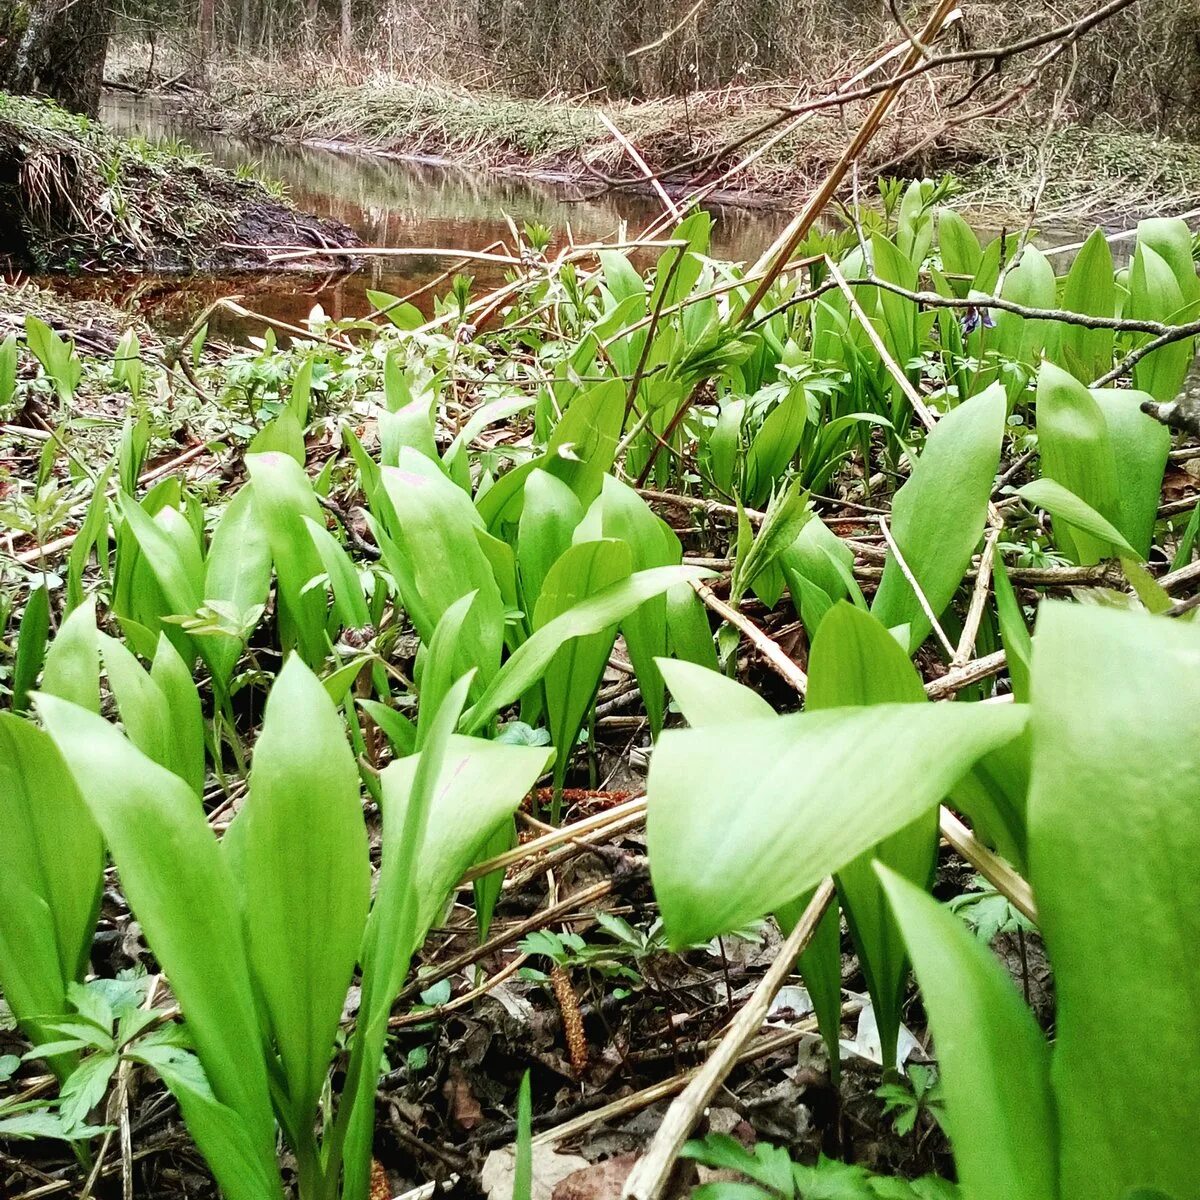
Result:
x=55 y=48
x=347 y=26
x=206 y=26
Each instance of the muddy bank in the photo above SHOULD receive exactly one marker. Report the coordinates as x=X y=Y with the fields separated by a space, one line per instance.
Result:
x=73 y=196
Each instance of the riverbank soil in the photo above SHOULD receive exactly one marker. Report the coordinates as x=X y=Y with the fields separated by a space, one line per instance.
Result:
x=73 y=196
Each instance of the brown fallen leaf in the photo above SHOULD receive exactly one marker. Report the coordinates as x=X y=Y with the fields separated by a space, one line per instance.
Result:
x=465 y=1111
x=599 y=1181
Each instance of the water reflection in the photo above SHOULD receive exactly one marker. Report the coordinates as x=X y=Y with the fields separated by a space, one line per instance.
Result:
x=389 y=202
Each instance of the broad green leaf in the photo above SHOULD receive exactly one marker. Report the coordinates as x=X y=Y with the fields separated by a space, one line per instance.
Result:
x=1171 y=239
x=387 y=949
x=1030 y=283
x=1140 y=445
x=435 y=675
x=624 y=515
x=854 y=660
x=706 y=697
x=1090 y=289
x=1114 y=843
x=549 y=518
x=282 y=498
x=397 y=728
x=789 y=800
x=177 y=573
x=572 y=676
x=1155 y=295
x=183 y=713
x=960 y=250
x=31 y=646
x=993 y=1060
x=182 y=893
x=72 y=667
x=222 y=1135
x=349 y=604
x=437 y=559
x=690 y=635
x=51 y=871
x=1066 y=507
x=140 y=702
x=1077 y=451
x=307 y=877
x=237 y=572
x=939 y=514
x=480 y=786
x=283 y=434
x=785 y=518
x=590 y=616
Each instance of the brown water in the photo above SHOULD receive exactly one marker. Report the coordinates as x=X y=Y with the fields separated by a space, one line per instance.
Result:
x=388 y=202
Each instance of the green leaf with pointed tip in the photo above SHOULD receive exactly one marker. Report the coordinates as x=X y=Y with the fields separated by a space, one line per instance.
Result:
x=574 y=673
x=181 y=891
x=993 y=1060
x=282 y=498
x=744 y=818
x=283 y=434
x=177 y=572
x=436 y=676
x=1077 y=451
x=72 y=667
x=855 y=661
x=51 y=870
x=1114 y=818
x=1030 y=283
x=549 y=518
x=624 y=515
x=1065 y=507
x=349 y=604
x=590 y=616
x=480 y=786
x=960 y=249
x=306 y=875
x=1140 y=446
x=1092 y=290
x=388 y=947
x=939 y=514
x=31 y=646
x=220 y=1132
x=140 y=702
x=1155 y=295
x=397 y=728
x=436 y=558
x=689 y=633
x=706 y=697
x=237 y=572
x=183 y=713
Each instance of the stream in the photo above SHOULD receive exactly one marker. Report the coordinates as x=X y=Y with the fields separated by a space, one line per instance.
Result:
x=388 y=202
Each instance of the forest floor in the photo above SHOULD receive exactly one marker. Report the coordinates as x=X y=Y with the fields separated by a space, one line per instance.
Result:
x=75 y=196
x=1007 y=164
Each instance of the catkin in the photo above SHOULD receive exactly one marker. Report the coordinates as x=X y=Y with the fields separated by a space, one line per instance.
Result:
x=572 y=1018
